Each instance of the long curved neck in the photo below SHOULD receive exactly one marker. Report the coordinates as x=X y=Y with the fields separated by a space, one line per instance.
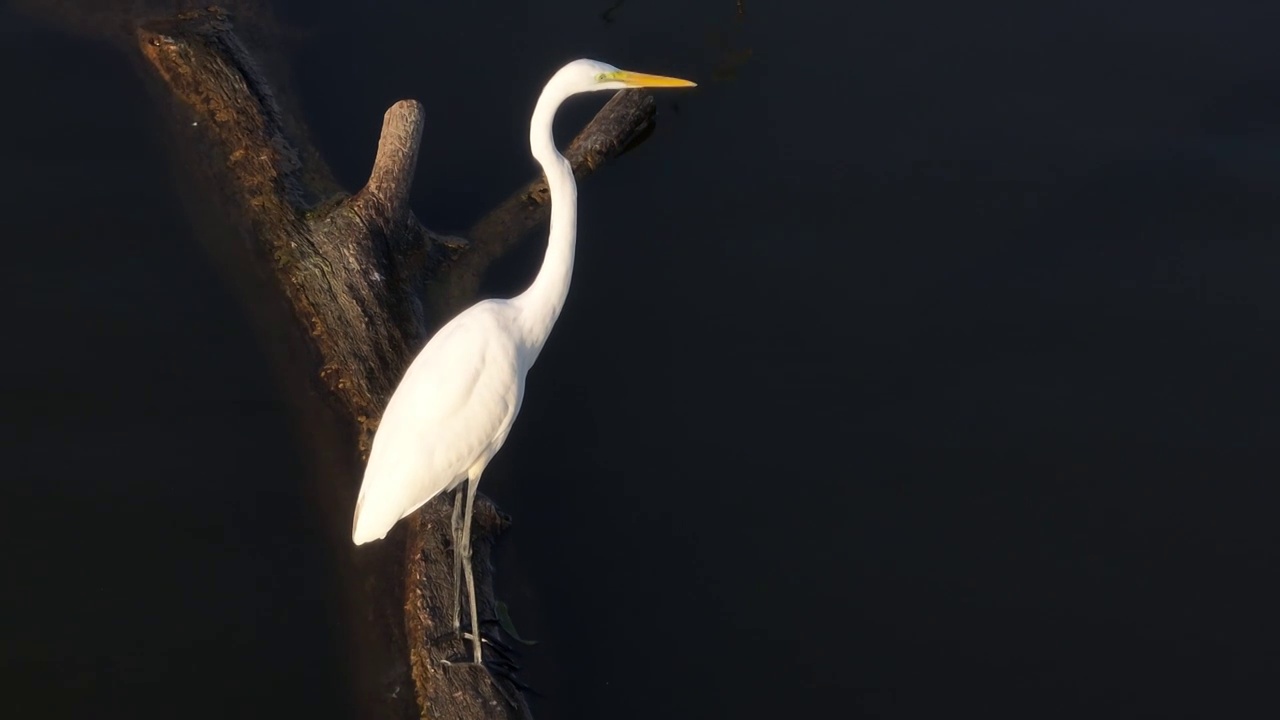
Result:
x=540 y=305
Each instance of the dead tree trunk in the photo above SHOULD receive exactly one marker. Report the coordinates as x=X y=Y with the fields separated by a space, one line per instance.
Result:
x=346 y=276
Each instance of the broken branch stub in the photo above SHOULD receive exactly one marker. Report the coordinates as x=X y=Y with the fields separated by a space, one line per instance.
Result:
x=385 y=197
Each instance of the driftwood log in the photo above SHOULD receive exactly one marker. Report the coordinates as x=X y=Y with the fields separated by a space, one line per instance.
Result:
x=346 y=288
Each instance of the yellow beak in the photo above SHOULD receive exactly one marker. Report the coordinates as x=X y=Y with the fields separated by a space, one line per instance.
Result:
x=635 y=79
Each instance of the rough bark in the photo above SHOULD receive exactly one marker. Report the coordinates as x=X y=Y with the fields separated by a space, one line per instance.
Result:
x=349 y=274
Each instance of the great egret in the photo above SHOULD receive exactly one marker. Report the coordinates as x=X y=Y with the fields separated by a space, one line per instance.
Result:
x=457 y=401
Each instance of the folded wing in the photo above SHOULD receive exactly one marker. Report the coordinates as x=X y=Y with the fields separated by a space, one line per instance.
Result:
x=450 y=414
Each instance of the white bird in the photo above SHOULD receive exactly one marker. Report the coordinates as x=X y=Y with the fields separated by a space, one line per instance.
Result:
x=459 y=398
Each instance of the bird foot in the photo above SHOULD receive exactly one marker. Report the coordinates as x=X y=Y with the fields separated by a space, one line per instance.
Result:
x=464 y=633
x=490 y=663
x=498 y=647
x=494 y=652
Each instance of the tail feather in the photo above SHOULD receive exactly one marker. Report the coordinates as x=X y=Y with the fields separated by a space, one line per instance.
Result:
x=355 y=521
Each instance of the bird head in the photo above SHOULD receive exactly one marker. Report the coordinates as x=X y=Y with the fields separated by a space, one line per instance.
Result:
x=590 y=75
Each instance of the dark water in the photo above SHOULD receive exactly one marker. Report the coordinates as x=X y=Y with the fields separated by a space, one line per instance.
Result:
x=922 y=362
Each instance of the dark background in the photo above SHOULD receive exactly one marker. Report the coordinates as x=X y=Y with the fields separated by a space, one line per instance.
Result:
x=923 y=361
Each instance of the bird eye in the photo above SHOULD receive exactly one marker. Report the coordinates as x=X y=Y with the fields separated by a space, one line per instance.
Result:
x=602 y=77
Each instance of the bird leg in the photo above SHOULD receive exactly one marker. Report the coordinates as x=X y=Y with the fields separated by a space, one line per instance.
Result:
x=466 y=565
x=456 y=529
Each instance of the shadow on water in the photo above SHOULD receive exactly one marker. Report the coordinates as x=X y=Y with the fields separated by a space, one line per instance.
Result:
x=920 y=361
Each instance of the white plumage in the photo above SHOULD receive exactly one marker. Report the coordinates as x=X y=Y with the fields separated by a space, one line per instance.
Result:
x=446 y=420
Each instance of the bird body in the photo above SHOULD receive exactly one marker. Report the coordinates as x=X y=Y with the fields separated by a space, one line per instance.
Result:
x=457 y=402
x=449 y=416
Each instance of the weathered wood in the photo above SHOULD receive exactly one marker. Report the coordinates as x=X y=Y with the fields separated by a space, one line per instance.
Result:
x=351 y=271
x=386 y=196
